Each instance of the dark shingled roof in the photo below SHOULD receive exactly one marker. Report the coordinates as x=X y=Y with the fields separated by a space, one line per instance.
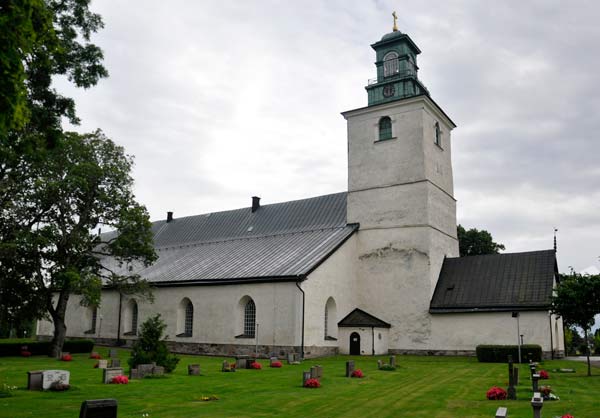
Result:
x=282 y=241
x=360 y=318
x=496 y=282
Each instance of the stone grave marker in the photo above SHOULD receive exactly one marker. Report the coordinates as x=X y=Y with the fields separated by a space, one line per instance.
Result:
x=110 y=372
x=49 y=377
x=319 y=369
x=516 y=375
x=193 y=369
x=249 y=362
x=537 y=402
x=532 y=368
x=291 y=358
x=112 y=353
x=34 y=379
x=240 y=361
x=393 y=361
x=98 y=408
x=313 y=373
x=272 y=360
x=379 y=364
x=501 y=412
x=225 y=366
x=115 y=362
x=102 y=364
x=158 y=371
x=305 y=377
x=511 y=391
x=134 y=374
x=145 y=369
x=534 y=382
x=349 y=368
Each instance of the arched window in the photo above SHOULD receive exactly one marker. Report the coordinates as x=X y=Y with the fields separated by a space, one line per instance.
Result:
x=385 y=128
x=185 y=318
x=330 y=320
x=93 y=316
x=250 y=319
x=131 y=318
x=390 y=64
x=438 y=135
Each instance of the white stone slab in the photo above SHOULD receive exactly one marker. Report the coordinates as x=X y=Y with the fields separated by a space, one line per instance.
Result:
x=51 y=376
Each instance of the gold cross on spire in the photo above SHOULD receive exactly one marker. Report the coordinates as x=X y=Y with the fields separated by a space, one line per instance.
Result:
x=395 y=29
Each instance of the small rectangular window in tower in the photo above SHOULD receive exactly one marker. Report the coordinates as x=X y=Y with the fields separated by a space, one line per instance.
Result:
x=385 y=128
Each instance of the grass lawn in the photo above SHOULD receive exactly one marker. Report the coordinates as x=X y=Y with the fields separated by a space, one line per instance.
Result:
x=452 y=387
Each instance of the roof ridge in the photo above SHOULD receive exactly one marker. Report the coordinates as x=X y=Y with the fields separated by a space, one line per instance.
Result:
x=239 y=238
x=498 y=254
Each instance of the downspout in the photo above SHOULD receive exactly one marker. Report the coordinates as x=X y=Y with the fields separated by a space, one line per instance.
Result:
x=551 y=338
x=119 y=322
x=373 y=335
x=303 y=306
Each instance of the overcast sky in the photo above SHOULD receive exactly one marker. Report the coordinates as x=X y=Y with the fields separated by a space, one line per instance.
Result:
x=222 y=100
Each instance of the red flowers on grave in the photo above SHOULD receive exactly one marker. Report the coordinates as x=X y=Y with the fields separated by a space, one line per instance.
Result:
x=496 y=394
x=357 y=373
x=66 y=357
x=256 y=365
x=567 y=416
x=95 y=356
x=544 y=374
x=120 y=380
x=276 y=364
x=25 y=353
x=312 y=383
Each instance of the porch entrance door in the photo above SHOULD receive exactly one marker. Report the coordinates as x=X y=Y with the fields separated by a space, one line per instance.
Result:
x=355 y=344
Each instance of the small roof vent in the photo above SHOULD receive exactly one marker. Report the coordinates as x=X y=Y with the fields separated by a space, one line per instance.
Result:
x=169 y=217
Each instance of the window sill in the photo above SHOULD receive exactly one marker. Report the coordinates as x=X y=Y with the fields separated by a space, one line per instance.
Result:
x=184 y=335
x=328 y=338
x=244 y=336
x=439 y=146
x=384 y=140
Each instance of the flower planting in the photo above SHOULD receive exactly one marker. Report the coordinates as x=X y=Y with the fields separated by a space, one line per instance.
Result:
x=120 y=380
x=66 y=357
x=25 y=353
x=496 y=394
x=567 y=416
x=357 y=373
x=544 y=374
x=312 y=383
x=95 y=356
x=256 y=365
x=276 y=364
x=547 y=394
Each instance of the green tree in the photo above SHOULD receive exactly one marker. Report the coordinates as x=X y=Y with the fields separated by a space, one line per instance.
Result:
x=577 y=300
x=52 y=248
x=151 y=347
x=476 y=242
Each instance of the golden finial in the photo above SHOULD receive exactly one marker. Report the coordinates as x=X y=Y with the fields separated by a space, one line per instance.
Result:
x=395 y=29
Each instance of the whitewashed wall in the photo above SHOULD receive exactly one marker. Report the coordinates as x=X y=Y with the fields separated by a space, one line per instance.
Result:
x=368 y=336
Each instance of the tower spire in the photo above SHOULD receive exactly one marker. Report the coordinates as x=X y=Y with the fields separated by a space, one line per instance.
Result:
x=395 y=28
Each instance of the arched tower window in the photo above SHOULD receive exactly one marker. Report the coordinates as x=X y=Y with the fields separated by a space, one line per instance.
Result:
x=185 y=318
x=385 y=128
x=250 y=319
x=330 y=320
x=438 y=135
x=390 y=64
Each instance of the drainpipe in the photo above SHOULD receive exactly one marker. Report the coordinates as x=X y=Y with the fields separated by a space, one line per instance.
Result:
x=119 y=321
x=551 y=337
x=303 y=306
x=373 y=335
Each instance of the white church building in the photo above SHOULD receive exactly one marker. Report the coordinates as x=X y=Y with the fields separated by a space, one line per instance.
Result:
x=373 y=270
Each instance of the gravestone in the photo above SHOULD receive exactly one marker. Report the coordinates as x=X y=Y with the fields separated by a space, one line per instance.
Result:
x=98 y=408
x=34 y=379
x=134 y=374
x=102 y=364
x=349 y=368
x=537 y=402
x=112 y=353
x=158 y=371
x=313 y=373
x=511 y=391
x=240 y=362
x=49 y=377
x=516 y=375
x=305 y=377
x=291 y=358
x=145 y=369
x=532 y=368
x=272 y=360
x=501 y=412
x=193 y=369
x=379 y=364
x=225 y=366
x=110 y=372
x=393 y=361
x=534 y=382
x=249 y=362
x=115 y=362
x=319 y=370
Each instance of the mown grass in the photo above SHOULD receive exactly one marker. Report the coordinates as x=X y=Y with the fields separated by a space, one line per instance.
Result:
x=441 y=387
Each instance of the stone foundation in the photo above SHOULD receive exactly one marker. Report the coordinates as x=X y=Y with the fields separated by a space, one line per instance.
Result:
x=466 y=353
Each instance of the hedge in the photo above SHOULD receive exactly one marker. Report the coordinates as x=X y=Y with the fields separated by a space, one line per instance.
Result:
x=12 y=348
x=500 y=353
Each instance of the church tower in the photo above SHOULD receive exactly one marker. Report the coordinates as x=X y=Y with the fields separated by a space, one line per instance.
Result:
x=400 y=192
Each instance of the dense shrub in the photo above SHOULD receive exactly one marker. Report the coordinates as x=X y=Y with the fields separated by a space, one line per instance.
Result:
x=500 y=353
x=150 y=347
x=42 y=348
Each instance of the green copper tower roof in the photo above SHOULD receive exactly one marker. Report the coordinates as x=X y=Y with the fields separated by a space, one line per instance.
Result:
x=396 y=62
